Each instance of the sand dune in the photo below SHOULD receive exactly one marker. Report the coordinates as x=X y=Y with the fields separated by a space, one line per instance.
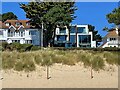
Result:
x=62 y=76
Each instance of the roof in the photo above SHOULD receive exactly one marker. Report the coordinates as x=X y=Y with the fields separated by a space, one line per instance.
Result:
x=13 y=22
x=112 y=33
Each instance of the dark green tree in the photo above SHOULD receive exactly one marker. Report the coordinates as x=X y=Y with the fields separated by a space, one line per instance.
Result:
x=0 y=17
x=96 y=37
x=113 y=18
x=8 y=15
x=50 y=14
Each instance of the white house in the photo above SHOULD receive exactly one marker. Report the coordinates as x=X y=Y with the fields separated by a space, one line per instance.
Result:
x=20 y=31
x=76 y=36
x=111 y=39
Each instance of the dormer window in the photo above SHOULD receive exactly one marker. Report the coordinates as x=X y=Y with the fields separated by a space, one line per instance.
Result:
x=27 y=23
x=18 y=23
x=7 y=24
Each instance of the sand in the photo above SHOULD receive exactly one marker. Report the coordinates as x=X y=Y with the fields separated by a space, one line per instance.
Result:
x=62 y=76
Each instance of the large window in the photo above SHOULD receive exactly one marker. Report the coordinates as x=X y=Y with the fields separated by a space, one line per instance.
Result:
x=62 y=30
x=32 y=32
x=61 y=38
x=84 y=40
x=72 y=38
x=1 y=33
x=81 y=30
x=72 y=29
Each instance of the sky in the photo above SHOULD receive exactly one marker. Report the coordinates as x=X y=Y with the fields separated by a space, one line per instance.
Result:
x=93 y=13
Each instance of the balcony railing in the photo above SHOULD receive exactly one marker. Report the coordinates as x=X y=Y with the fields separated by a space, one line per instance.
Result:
x=16 y=35
x=113 y=42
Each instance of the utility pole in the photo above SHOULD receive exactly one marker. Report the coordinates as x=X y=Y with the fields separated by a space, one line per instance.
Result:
x=42 y=35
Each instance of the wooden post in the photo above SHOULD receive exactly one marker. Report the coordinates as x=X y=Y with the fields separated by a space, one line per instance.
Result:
x=91 y=72
x=47 y=72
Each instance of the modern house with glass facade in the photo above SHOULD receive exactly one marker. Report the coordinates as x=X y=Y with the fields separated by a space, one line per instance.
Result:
x=20 y=31
x=75 y=36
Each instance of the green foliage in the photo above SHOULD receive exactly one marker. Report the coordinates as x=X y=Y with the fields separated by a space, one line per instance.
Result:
x=8 y=61
x=96 y=36
x=0 y=17
x=19 y=66
x=4 y=45
x=27 y=61
x=50 y=14
x=8 y=16
x=98 y=63
x=111 y=58
x=114 y=16
x=16 y=46
x=34 y=48
x=46 y=60
x=38 y=59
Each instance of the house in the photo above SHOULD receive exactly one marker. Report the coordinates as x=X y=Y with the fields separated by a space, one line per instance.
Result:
x=111 y=39
x=76 y=36
x=20 y=31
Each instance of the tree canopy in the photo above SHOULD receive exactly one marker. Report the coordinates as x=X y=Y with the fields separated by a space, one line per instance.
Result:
x=96 y=37
x=50 y=14
x=114 y=16
x=8 y=15
x=0 y=17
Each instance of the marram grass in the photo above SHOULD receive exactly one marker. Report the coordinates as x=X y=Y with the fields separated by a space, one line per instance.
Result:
x=27 y=61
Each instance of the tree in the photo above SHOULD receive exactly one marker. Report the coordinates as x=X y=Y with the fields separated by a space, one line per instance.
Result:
x=0 y=17
x=8 y=15
x=50 y=14
x=113 y=18
x=96 y=37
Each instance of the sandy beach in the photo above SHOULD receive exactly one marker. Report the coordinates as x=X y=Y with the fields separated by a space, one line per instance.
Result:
x=62 y=76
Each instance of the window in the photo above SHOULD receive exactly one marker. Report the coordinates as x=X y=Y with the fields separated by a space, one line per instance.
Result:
x=72 y=38
x=28 y=41
x=1 y=32
x=16 y=41
x=18 y=23
x=62 y=30
x=112 y=39
x=81 y=30
x=32 y=33
x=27 y=24
x=61 y=38
x=72 y=29
x=84 y=40
x=7 y=24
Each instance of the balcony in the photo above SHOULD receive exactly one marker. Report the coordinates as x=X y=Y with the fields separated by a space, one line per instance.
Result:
x=113 y=42
x=16 y=35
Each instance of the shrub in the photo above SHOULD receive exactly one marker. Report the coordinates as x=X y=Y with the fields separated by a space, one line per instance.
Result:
x=34 y=48
x=4 y=45
x=38 y=59
x=97 y=63
x=111 y=58
x=19 y=66
x=7 y=61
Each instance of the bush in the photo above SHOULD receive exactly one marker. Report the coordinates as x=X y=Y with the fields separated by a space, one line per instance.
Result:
x=19 y=66
x=97 y=63
x=38 y=59
x=34 y=48
x=4 y=45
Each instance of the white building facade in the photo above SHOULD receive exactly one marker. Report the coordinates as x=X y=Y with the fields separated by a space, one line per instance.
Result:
x=111 y=39
x=76 y=36
x=19 y=31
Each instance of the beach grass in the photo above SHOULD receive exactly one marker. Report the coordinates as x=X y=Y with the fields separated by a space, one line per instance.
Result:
x=27 y=61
